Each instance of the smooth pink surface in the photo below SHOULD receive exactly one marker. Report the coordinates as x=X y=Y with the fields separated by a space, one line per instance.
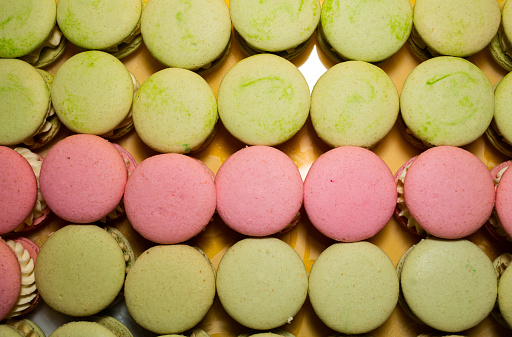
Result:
x=504 y=200
x=259 y=191
x=83 y=178
x=10 y=277
x=170 y=198
x=349 y=194
x=18 y=189
x=449 y=192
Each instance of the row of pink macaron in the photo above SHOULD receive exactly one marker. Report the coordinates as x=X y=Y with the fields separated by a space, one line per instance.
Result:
x=349 y=193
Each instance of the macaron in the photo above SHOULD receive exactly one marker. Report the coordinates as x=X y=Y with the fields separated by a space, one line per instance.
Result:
x=499 y=45
x=175 y=110
x=283 y=28
x=112 y=26
x=29 y=32
x=372 y=31
x=446 y=192
x=449 y=285
x=21 y=328
x=503 y=214
x=80 y=270
x=349 y=194
x=272 y=333
x=114 y=325
x=82 y=329
x=502 y=312
x=262 y=283
x=26 y=114
x=353 y=287
x=170 y=288
x=92 y=93
x=499 y=132
x=195 y=35
x=263 y=100
x=170 y=198
x=83 y=178
x=453 y=28
x=191 y=333
x=354 y=103
x=18 y=292
x=259 y=191
x=445 y=101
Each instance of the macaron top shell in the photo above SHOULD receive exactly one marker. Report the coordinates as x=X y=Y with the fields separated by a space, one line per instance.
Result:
x=98 y=24
x=449 y=284
x=354 y=103
x=349 y=194
x=370 y=31
x=25 y=25
x=83 y=178
x=19 y=189
x=82 y=329
x=8 y=331
x=503 y=199
x=92 y=92
x=506 y=20
x=188 y=34
x=449 y=192
x=503 y=107
x=275 y=25
x=447 y=101
x=505 y=295
x=25 y=98
x=10 y=274
x=457 y=28
x=259 y=191
x=263 y=100
x=170 y=198
x=175 y=110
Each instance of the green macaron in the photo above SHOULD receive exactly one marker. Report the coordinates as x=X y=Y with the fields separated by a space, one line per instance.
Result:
x=503 y=309
x=92 y=93
x=114 y=325
x=446 y=101
x=283 y=28
x=500 y=46
x=83 y=329
x=499 y=132
x=191 y=333
x=354 y=103
x=370 y=31
x=263 y=100
x=28 y=31
x=112 y=26
x=272 y=333
x=20 y=328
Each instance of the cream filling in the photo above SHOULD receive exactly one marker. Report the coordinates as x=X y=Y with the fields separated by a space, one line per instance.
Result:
x=494 y=220
x=404 y=210
x=35 y=162
x=124 y=248
x=28 y=285
x=52 y=41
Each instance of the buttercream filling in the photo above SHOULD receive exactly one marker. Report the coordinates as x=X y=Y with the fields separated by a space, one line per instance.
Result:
x=52 y=41
x=28 y=285
x=35 y=163
x=494 y=220
x=504 y=262
x=404 y=210
x=124 y=248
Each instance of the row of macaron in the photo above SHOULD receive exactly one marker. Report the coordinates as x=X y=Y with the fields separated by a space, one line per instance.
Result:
x=262 y=283
x=349 y=193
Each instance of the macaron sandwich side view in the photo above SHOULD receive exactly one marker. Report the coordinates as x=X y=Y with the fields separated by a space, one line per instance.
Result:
x=499 y=47
x=20 y=328
x=499 y=131
x=500 y=221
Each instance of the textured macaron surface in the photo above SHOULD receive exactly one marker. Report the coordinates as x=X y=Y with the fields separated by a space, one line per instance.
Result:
x=82 y=329
x=25 y=25
x=25 y=101
x=263 y=100
x=354 y=103
x=83 y=178
x=262 y=283
x=187 y=34
x=92 y=92
x=98 y=24
x=503 y=201
x=19 y=189
x=175 y=110
x=79 y=270
x=449 y=284
x=10 y=274
x=447 y=101
x=353 y=287
x=170 y=288
x=275 y=25
x=368 y=31
x=349 y=194
x=503 y=107
x=449 y=192
x=170 y=198
x=457 y=28
x=259 y=191
x=505 y=295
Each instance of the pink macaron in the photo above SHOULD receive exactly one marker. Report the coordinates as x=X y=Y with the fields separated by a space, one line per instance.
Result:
x=349 y=194
x=446 y=192
x=259 y=191
x=503 y=210
x=170 y=198
x=83 y=178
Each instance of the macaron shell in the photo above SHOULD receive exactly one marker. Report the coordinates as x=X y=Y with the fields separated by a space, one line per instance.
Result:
x=8 y=331
x=449 y=191
x=502 y=108
x=83 y=178
x=82 y=329
x=503 y=200
x=19 y=189
x=505 y=295
x=349 y=194
x=10 y=274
